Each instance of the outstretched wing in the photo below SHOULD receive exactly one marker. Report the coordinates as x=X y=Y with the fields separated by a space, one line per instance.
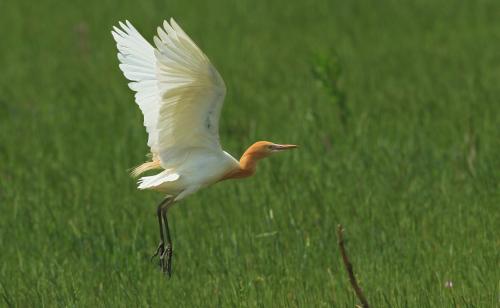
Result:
x=177 y=88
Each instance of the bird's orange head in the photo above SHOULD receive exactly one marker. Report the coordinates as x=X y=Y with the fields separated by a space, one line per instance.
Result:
x=262 y=149
x=253 y=154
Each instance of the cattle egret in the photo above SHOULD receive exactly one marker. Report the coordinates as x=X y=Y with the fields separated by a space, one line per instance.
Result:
x=180 y=94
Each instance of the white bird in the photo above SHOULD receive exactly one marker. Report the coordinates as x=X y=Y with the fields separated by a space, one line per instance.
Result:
x=181 y=95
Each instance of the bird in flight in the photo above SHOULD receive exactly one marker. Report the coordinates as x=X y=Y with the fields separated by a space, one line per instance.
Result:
x=180 y=94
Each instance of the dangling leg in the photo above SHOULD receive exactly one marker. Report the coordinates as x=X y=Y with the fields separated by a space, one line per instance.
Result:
x=161 y=247
x=168 y=251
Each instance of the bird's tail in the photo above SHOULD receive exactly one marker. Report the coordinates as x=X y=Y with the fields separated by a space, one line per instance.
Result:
x=149 y=165
x=151 y=182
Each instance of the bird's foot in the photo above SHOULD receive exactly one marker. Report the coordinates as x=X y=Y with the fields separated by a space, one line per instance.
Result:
x=159 y=252
x=166 y=260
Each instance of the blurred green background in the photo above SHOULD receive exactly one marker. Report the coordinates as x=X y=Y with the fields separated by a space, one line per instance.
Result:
x=395 y=105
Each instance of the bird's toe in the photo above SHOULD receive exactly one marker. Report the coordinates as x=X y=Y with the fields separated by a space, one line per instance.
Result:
x=159 y=251
x=166 y=260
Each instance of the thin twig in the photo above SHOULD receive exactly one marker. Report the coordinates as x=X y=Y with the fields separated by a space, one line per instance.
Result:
x=348 y=267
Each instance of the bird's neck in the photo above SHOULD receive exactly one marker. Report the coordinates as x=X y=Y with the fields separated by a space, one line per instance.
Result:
x=247 y=166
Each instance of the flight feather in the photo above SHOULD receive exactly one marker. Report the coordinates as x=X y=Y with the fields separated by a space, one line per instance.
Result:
x=177 y=89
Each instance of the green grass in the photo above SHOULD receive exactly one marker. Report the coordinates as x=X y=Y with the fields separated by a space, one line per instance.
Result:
x=396 y=107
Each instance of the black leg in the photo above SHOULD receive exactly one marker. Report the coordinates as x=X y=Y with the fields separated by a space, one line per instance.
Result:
x=161 y=247
x=168 y=251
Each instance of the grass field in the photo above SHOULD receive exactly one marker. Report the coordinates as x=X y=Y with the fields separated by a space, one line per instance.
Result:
x=396 y=107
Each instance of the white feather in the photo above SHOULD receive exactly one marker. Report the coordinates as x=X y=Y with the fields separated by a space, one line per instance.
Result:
x=178 y=90
x=158 y=179
x=180 y=94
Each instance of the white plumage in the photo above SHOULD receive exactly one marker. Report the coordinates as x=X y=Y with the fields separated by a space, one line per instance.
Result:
x=181 y=95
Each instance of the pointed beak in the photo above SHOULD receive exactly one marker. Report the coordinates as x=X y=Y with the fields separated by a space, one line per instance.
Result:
x=282 y=147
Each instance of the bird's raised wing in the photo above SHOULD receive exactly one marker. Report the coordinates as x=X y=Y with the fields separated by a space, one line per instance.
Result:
x=177 y=88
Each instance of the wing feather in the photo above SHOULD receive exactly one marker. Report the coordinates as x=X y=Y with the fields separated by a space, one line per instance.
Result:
x=177 y=88
x=138 y=64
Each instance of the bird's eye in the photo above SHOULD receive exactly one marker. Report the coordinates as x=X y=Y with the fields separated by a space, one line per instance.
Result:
x=270 y=147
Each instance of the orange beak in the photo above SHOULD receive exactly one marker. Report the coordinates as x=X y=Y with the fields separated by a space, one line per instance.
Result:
x=282 y=147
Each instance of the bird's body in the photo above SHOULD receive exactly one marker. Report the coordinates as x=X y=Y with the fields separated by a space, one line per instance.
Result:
x=180 y=94
x=198 y=169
